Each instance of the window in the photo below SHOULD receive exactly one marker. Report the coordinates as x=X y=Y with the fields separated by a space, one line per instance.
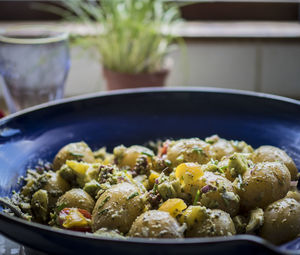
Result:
x=272 y=10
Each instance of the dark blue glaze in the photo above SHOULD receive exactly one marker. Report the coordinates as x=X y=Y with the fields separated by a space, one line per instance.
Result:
x=135 y=117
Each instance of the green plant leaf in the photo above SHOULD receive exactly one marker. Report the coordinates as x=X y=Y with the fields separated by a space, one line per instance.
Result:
x=135 y=36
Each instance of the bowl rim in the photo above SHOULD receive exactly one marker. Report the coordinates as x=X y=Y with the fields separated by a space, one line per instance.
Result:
x=183 y=241
x=149 y=90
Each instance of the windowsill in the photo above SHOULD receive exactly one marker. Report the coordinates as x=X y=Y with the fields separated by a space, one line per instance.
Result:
x=255 y=64
x=191 y=29
x=253 y=29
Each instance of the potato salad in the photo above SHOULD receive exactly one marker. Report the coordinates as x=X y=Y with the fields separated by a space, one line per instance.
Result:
x=183 y=188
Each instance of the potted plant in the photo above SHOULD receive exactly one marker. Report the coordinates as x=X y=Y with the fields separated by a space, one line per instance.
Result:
x=134 y=38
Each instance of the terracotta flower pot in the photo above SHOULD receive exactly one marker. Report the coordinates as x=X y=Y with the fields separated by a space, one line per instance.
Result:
x=116 y=80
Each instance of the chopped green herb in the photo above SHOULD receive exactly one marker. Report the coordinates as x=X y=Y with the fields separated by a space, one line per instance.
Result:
x=223 y=167
x=198 y=150
x=196 y=197
x=61 y=207
x=151 y=155
x=220 y=170
x=240 y=178
x=240 y=181
x=180 y=158
x=214 y=162
x=103 y=211
x=58 y=210
x=155 y=188
x=103 y=202
x=76 y=154
x=168 y=162
x=133 y=195
x=209 y=141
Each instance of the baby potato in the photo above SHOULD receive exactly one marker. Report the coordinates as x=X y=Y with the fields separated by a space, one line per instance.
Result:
x=217 y=192
x=128 y=156
x=294 y=194
x=73 y=151
x=269 y=153
x=222 y=148
x=117 y=208
x=263 y=184
x=188 y=150
x=77 y=198
x=156 y=224
x=216 y=223
x=281 y=221
x=55 y=187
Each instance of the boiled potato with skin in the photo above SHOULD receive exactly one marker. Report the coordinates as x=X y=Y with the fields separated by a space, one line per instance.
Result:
x=117 y=208
x=73 y=151
x=55 y=187
x=263 y=184
x=281 y=221
x=217 y=192
x=222 y=148
x=269 y=153
x=216 y=223
x=128 y=156
x=156 y=224
x=188 y=150
x=294 y=194
x=77 y=198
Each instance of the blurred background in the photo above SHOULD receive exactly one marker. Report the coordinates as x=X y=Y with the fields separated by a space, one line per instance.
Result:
x=240 y=44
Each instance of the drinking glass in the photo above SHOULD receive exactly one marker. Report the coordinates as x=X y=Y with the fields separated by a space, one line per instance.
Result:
x=34 y=66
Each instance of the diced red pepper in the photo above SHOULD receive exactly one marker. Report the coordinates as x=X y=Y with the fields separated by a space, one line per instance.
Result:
x=85 y=213
x=2 y=114
x=164 y=149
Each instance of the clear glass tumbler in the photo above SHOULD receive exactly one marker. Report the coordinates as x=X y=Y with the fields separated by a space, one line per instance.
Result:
x=34 y=66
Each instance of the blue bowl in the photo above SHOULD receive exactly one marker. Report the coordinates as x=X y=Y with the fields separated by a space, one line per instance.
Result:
x=135 y=117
